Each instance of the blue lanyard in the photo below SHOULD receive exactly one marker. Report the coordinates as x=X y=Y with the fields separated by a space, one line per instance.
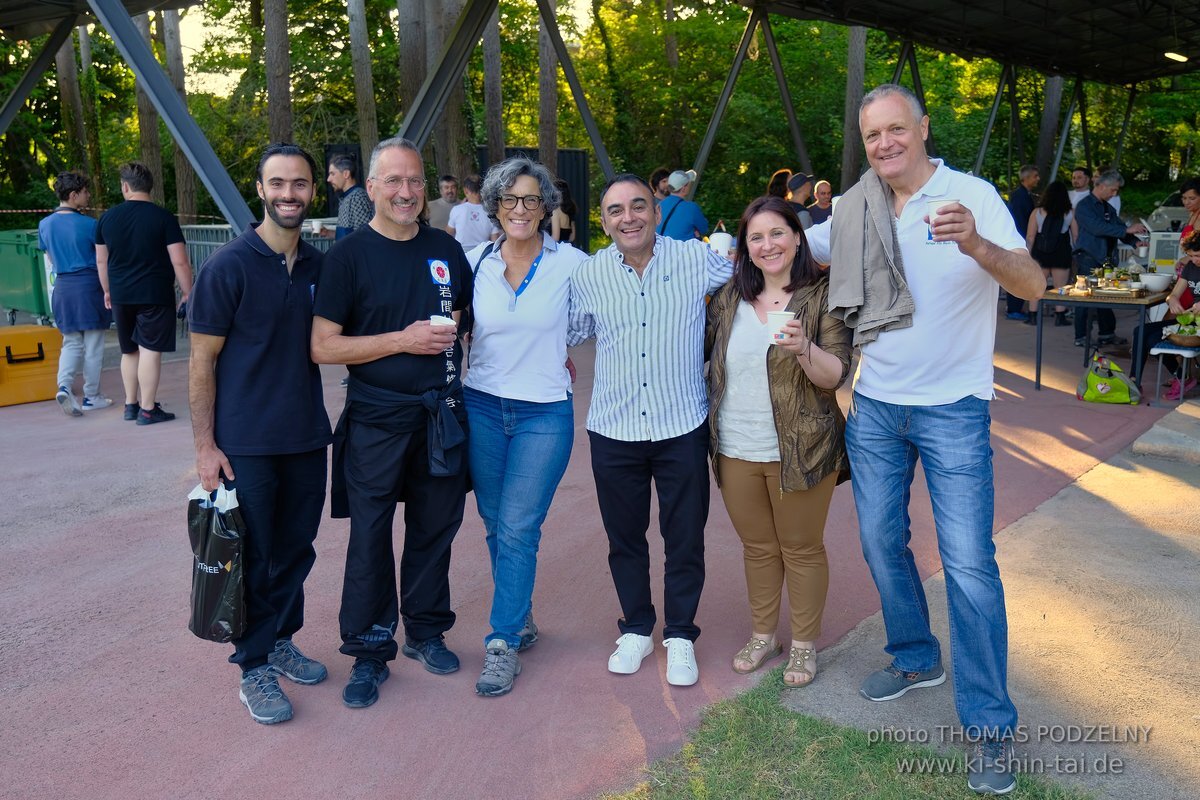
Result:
x=529 y=276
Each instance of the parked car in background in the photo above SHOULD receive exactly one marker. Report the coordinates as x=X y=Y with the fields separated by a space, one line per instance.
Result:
x=1169 y=215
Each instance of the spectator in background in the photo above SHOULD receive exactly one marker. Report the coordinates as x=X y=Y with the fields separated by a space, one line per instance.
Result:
x=1099 y=229
x=681 y=218
x=658 y=182
x=140 y=254
x=439 y=209
x=1115 y=200
x=777 y=184
x=1020 y=205
x=68 y=236
x=1050 y=236
x=822 y=207
x=800 y=191
x=1081 y=185
x=562 y=220
x=468 y=222
x=354 y=207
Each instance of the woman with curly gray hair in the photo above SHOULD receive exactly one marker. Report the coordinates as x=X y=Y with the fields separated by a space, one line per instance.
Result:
x=518 y=396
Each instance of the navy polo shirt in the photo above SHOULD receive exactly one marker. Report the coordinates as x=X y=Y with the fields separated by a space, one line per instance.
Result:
x=269 y=399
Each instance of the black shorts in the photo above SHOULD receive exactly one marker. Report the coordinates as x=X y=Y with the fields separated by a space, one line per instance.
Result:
x=148 y=326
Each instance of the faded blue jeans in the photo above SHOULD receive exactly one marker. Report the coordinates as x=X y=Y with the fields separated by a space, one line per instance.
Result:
x=953 y=443
x=518 y=453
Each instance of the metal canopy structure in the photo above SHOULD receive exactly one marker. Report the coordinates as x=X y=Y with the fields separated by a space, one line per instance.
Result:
x=1117 y=42
x=19 y=19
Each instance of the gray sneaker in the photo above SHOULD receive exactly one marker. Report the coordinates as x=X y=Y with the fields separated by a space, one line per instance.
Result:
x=261 y=694
x=890 y=683
x=990 y=768
x=529 y=634
x=289 y=662
x=501 y=666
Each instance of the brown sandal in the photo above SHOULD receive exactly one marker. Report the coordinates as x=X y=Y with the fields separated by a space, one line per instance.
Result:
x=798 y=660
x=753 y=648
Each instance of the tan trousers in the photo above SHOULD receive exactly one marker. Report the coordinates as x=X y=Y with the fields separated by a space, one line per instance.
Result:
x=782 y=536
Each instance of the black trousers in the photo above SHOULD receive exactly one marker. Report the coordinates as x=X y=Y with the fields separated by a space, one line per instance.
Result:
x=679 y=469
x=382 y=469
x=281 y=498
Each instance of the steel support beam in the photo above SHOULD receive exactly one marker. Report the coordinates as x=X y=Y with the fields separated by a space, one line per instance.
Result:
x=113 y=15
x=427 y=107
x=710 y=135
x=1076 y=94
x=568 y=68
x=8 y=112
x=1005 y=72
x=786 y=96
x=1124 y=127
x=919 y=91
x=1083 y=131
x=901 y=60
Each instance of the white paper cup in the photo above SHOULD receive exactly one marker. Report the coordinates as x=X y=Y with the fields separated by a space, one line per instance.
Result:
x=935 y=207
x=775 y=322
x=721 y=242
x=438 y=319
x=315 y=225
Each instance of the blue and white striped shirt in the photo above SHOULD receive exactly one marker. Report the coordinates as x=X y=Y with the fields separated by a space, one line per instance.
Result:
x=649 y=333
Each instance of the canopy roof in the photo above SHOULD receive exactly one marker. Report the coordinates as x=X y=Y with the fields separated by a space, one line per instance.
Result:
x=23 y=20
x=1110 y=42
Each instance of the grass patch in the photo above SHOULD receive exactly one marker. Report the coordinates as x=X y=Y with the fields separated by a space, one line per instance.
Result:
x=751 y=747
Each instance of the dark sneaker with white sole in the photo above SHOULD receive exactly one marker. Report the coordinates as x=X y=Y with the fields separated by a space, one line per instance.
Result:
x=289 y=662
x=990 y=768
x=363 y=687
x=260 y=693
x=890 y=683
x=501 y=666
x=433 y=653
x=66 y=401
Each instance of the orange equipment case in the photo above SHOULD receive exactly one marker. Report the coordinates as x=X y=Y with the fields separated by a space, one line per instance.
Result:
x=29 y=366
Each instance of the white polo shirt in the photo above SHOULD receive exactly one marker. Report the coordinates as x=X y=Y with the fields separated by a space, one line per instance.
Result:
x=946 y=354
x=519 y=343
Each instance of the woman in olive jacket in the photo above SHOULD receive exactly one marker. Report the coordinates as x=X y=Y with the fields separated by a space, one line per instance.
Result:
x=776 y=429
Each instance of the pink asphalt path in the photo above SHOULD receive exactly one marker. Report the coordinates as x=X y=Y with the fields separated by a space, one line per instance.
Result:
x=105 y=694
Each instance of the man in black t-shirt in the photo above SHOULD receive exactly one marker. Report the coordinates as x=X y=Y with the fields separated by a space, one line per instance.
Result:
x=140 y=254
x=259 y=421
x=402 y=435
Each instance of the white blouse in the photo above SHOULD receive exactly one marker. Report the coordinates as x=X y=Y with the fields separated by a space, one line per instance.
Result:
x=745 y=421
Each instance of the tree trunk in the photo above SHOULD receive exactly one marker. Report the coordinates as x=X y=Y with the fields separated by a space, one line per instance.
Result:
x=493 y=93
x=364 y=84
x=185 y=176
x=452 y=140
x=151 y=145
x=91 y=122
x=1048 y=131
x=547 y=98
x=411 y=39
x=673 y=133
x=72 y=104
x=856 y=70
x=279 y=70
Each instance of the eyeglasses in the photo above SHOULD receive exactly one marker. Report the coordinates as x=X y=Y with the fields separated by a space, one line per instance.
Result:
x=531 y=202
x=394 y=182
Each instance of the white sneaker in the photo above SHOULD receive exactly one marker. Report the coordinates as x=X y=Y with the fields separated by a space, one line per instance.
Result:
x=96 y=401
x=67 y=402
x=631 y=649
x=681 y=662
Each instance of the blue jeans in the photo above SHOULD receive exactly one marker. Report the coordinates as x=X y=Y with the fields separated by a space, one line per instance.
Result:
x=518 y=452
x=954 y=444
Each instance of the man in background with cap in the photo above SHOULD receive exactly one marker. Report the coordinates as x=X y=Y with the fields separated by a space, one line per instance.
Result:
x=800 y=187
x=681 y=218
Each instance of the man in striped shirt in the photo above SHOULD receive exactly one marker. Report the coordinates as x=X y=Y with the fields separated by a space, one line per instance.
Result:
x=642 y=297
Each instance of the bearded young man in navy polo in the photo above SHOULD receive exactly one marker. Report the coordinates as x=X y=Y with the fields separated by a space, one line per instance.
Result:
x=259 y=421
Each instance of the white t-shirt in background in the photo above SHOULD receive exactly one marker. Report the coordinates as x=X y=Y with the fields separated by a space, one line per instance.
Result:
x=471 y=224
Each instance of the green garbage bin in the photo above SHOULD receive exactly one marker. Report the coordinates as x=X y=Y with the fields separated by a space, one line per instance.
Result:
x=23 y=276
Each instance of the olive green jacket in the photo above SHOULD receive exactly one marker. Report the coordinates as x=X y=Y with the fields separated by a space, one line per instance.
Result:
x=808 y=421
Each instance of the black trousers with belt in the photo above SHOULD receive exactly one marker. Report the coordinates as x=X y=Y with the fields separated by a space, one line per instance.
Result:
x=281 y=498
x=383 y=468
x=623 y=472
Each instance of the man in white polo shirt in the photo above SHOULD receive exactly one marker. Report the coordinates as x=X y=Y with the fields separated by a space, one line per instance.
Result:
x=926 y=324
x=642 y=297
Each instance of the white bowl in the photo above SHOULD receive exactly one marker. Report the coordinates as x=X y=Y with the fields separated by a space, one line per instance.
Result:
x=1157 y=281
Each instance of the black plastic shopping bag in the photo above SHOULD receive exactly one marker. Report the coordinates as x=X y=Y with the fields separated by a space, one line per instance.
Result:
x=216 y=529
